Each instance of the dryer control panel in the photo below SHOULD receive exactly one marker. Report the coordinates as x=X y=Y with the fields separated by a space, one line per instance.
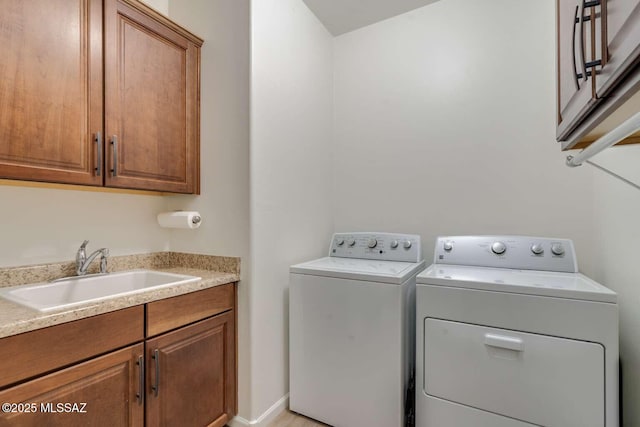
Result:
x=516 y=252
x=378 y=246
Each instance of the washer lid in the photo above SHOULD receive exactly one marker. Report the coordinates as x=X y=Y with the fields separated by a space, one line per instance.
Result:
x=530 y=282
x=360 y=269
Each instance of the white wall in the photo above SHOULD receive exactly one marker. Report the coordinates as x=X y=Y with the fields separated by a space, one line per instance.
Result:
x=161 y=6
x=224 y=146
x=444 y=125
x=617 y=209
x=224 y=128
x=41 y=225
x=291 y=192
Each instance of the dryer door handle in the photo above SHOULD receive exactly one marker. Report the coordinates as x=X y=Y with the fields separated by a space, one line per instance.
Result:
x=502 y=341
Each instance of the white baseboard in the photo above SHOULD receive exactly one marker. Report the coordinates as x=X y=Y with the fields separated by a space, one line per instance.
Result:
x=264 y=419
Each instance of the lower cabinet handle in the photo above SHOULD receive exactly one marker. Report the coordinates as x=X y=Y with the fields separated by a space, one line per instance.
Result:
x=501 y=341
x=140 y=394
x=156 y=359
x=114 y=159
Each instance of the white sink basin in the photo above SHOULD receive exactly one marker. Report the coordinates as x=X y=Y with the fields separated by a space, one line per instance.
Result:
x=72 y=292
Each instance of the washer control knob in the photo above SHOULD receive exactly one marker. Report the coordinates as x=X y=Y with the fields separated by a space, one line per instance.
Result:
x=394 y=244
x=557 y=249
x=372 y=243
x=537 y=249
x=498 y=248
x=351 y=241
x=339 y=241
x=407 y=244
x=447 y=246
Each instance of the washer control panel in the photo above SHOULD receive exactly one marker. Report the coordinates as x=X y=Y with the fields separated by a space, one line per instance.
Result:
x=517 y=252
x=378 y=246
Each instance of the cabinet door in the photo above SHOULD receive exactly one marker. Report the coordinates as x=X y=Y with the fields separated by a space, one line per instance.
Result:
x=109 y=385
x=51 y=100
x=576 y=46
x=622 y=40
x=191 y=374
x=151 y=101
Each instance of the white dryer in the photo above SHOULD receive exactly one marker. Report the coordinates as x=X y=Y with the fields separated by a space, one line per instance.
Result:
x=509 y=334
x=351 y=333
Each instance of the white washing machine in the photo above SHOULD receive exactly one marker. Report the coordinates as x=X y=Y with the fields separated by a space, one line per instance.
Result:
x=351 y=333
x=509 y=334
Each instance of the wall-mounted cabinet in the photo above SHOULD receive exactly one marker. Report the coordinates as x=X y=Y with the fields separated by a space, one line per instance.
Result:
x=98 y=92
x=598 y=47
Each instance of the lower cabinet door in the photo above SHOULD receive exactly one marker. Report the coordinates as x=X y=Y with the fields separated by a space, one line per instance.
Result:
x=191 y=374
x=104 y=391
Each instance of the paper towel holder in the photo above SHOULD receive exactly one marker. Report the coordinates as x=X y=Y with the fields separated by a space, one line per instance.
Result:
x=180 y=219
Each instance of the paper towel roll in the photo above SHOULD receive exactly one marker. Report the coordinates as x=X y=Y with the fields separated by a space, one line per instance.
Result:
x=180 y=219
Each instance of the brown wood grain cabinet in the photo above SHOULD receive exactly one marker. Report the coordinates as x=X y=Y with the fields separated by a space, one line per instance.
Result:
x=576 y=50
x=151 y=101
x=191 y=374
x=184 y=375
x=598 y=72
x=69 y=63
x=621 y=42
x=102 y=391
x=51 y=97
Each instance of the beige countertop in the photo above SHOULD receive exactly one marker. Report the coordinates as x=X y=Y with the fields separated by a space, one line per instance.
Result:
x=16 y=319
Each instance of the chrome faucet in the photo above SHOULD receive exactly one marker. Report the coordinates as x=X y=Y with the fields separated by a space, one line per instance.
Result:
x=83 y=261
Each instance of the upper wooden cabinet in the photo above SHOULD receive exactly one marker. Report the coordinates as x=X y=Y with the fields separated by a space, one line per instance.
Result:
x=598 y=48
x=576 y=94
x=622 y=43
x=51 y=101
x=57 y=82
x=151 y=100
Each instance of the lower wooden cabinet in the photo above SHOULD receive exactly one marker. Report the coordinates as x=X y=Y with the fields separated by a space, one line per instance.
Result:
x=182 y=376
x=102 y=391
x=191 y=374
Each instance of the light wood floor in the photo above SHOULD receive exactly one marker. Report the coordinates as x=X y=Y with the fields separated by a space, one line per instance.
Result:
x=290 y=419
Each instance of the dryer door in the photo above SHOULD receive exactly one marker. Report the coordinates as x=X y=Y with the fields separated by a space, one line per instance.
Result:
x=534 y=378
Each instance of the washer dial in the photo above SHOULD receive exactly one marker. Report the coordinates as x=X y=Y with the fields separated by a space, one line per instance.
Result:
x=537 y=249
x=557 y=249
x=498 y=248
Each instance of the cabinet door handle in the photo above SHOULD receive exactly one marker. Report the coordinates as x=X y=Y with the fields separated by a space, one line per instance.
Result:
x=573 y=48
x=156 y=359
x=98 y=140
x=501 y=341
x=114 y=159
x=582 y=60
x=140 y=394
x=591 y=64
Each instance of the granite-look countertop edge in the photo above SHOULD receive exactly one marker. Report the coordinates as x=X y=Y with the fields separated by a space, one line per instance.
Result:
x=16 y=319
x=22 y=275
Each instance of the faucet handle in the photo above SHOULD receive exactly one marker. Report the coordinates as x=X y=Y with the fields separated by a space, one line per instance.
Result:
x=103 y=260
x=81 y=256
